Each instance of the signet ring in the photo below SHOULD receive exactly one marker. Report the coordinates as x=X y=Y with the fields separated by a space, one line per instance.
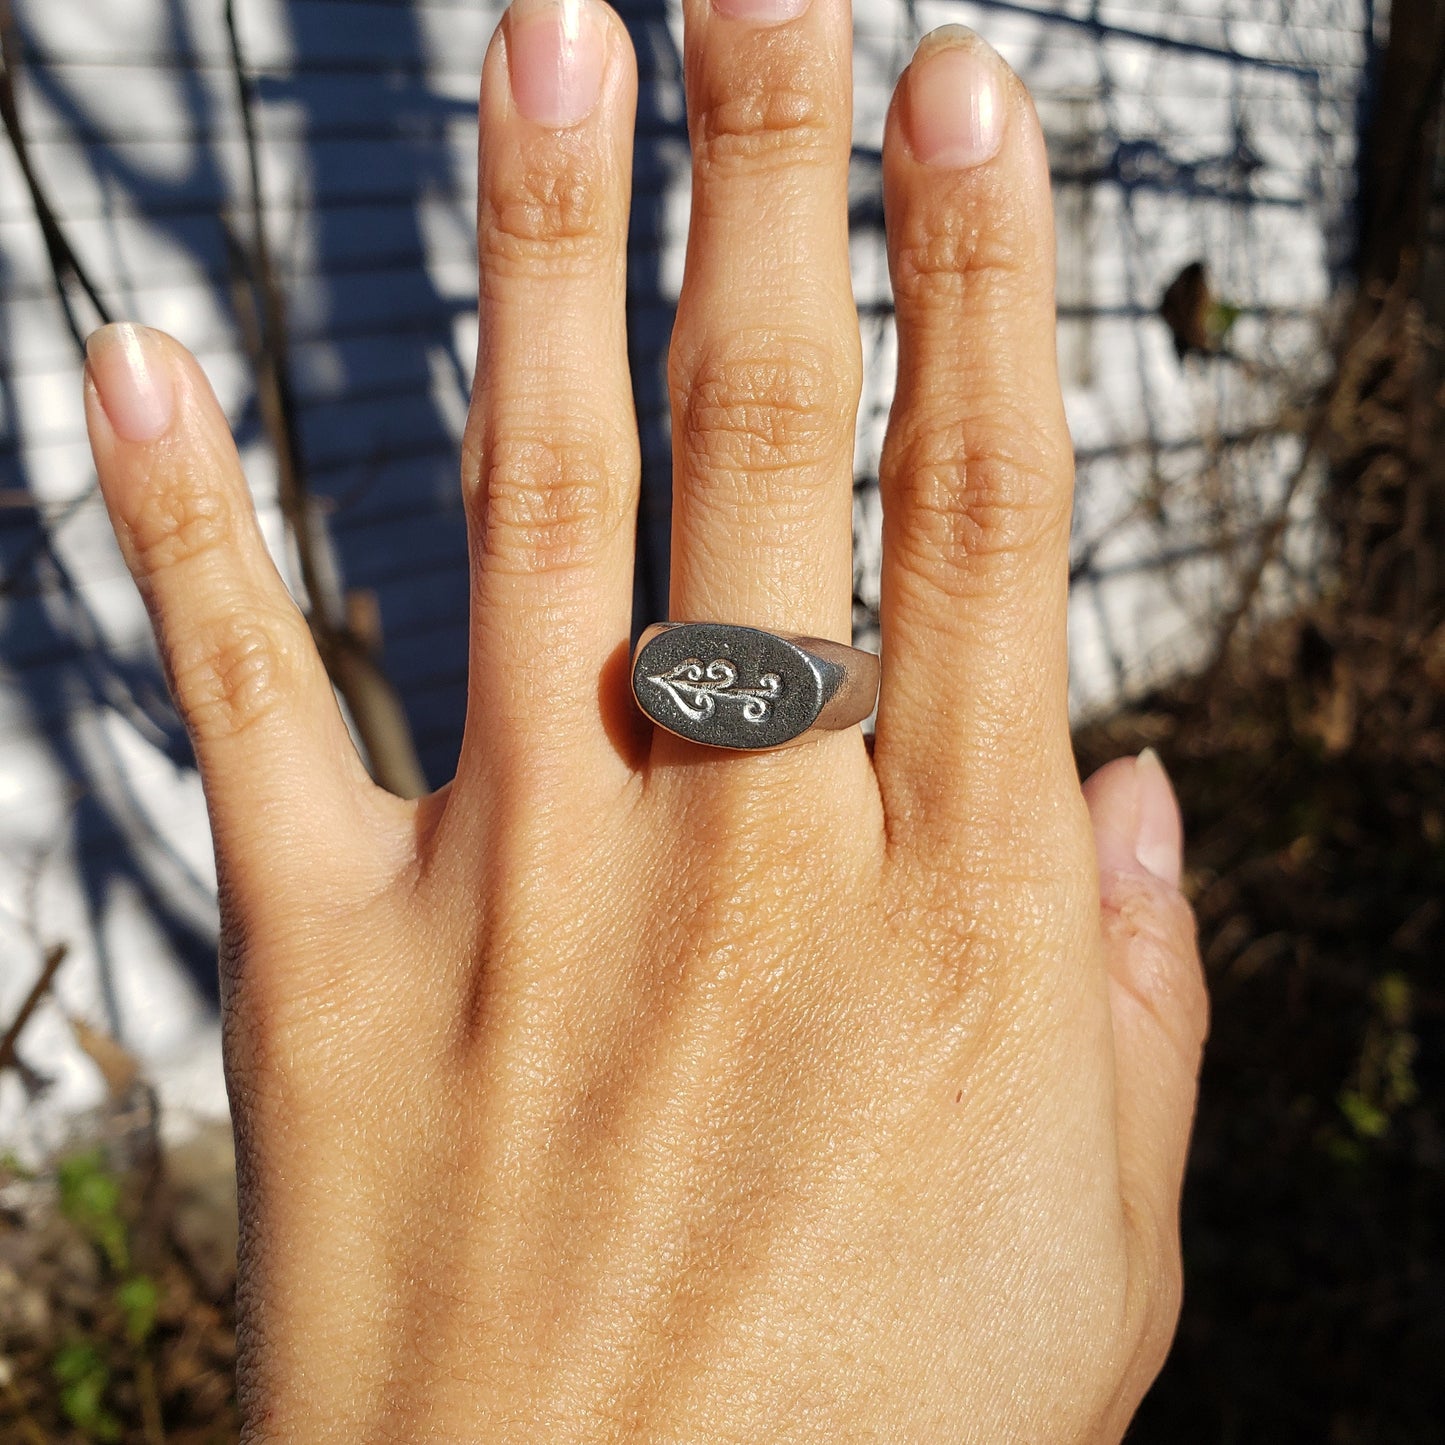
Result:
x=727 y=686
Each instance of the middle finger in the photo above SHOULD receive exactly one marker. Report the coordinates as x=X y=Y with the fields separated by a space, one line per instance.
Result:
x=765 y=361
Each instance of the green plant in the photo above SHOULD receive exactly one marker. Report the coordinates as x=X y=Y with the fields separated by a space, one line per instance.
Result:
x=1385 y=1075
x=139 y=1302
x=84 y=1377
x=90 y=1198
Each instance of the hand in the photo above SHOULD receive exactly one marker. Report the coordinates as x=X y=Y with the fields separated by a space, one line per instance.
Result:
x=629 y=1090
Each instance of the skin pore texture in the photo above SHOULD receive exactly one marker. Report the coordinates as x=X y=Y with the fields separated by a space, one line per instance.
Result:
x=627 y=1090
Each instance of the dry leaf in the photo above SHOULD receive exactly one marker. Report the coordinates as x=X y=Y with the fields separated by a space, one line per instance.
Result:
x=117 y=1065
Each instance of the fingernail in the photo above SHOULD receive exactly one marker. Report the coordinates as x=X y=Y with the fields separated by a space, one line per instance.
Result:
x=1159 y=831
x=132 y=379
x=556 y=51
x=955 y=99
x=761 y=12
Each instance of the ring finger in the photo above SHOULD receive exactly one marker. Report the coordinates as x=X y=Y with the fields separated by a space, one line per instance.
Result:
x=764 y=367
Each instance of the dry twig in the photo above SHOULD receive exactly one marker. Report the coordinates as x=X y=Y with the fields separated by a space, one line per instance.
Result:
x=65 y=265
x=54 y=957
x=260 y=304
x=347 y=653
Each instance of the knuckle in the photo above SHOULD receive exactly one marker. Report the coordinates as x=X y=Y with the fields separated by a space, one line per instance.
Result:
x=1150 y=929
x=541 y=217
x=965 y=494
x=947 y=249
x=755 y=407
x=549 y=502
x=774 y=115
x=230 y=672
x=179 y=521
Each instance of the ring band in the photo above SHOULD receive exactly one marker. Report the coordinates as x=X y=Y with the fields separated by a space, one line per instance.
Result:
x=739 y=687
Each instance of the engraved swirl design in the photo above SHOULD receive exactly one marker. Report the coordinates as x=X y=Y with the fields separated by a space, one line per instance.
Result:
x=697 y=688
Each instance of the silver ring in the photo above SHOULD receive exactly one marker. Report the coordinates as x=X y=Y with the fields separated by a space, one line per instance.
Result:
x=740 y=687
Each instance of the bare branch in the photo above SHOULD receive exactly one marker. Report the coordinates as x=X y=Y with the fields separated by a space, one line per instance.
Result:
x=260 y=304
x=65 y=265
x=53 y=959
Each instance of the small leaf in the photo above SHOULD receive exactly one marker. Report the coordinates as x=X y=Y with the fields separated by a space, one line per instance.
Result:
x=90 y=1200
x=85 y=1409
x=83 y=1379
x=1222 y=316
x=139 y=1301
x=75 y=1361
x=11 y=1166
x=117 y=1065
x=1396 y=999
x=1368 y=1120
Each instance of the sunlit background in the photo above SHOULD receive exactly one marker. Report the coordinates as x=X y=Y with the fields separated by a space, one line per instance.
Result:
x=289 y=188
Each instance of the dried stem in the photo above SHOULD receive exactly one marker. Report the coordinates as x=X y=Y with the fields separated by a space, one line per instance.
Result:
x=1272 y=535
x=348 y=654
x=150 y=1401
x=53 y=959
x=65 y=265
x=260 y=302
x=1368 y=332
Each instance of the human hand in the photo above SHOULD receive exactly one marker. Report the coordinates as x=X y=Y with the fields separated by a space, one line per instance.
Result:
x=629 y=1090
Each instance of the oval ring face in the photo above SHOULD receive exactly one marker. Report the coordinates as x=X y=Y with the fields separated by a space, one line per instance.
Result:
x=727 y=686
